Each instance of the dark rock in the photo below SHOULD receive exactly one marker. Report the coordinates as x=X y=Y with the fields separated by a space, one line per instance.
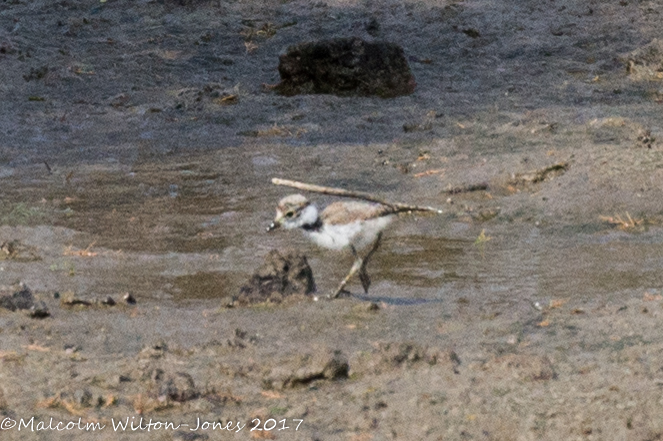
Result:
x=179 y=387
x=280 y=276
x=21 y=299
x=346 y=67
x=324 y=364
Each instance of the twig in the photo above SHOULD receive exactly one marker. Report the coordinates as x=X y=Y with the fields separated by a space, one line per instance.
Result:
x=540 y=175
x=352 y=194
x=622 y=223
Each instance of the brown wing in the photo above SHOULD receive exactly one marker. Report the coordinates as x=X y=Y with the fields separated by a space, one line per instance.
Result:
x=351 y=211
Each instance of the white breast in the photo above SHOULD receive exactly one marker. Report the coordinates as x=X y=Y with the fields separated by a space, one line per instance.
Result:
x=358 y=233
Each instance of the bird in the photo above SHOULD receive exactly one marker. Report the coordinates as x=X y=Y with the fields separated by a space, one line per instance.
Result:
x=343 y=224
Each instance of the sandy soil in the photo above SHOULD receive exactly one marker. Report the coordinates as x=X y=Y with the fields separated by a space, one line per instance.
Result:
x=136 y=150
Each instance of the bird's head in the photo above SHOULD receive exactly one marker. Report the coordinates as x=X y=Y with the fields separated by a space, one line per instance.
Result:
x=292 y=212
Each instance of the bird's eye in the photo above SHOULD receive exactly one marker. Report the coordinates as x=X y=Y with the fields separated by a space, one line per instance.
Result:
x=290 y=214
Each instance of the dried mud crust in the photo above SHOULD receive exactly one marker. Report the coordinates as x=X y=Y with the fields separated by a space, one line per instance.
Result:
x=135 y=156
x=420 y=387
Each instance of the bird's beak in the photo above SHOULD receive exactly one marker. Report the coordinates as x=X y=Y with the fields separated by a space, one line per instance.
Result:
x=274 y=225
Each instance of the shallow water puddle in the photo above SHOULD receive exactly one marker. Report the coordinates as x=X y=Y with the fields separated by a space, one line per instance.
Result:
x=214 y=238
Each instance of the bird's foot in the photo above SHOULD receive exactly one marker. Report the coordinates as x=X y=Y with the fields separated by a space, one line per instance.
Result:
x=339 y=293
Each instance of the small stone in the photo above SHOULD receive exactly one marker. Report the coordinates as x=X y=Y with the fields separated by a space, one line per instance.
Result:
x=129 y=299
x=108 y=301
x=70 y=349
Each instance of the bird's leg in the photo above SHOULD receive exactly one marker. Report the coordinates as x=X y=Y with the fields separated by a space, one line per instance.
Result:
x=363 y=275
x=355 y=267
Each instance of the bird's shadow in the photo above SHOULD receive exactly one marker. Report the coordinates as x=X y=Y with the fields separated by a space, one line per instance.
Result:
x=397 y=301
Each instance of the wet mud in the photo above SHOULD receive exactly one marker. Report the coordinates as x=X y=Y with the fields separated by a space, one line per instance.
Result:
x=137 y=144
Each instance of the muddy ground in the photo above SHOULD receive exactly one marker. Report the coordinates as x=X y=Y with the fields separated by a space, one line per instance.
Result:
x=137 y=143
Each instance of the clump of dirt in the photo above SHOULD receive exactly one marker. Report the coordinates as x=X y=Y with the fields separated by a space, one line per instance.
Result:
x=345 y=66
x=281 y=275
x=389 y=356
x=324 y=364
x=23 y=299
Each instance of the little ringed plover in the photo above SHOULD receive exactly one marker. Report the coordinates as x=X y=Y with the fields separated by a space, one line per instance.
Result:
x=344 y=224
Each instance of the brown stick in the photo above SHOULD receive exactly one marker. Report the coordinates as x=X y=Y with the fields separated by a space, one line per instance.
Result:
x=352 y=194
